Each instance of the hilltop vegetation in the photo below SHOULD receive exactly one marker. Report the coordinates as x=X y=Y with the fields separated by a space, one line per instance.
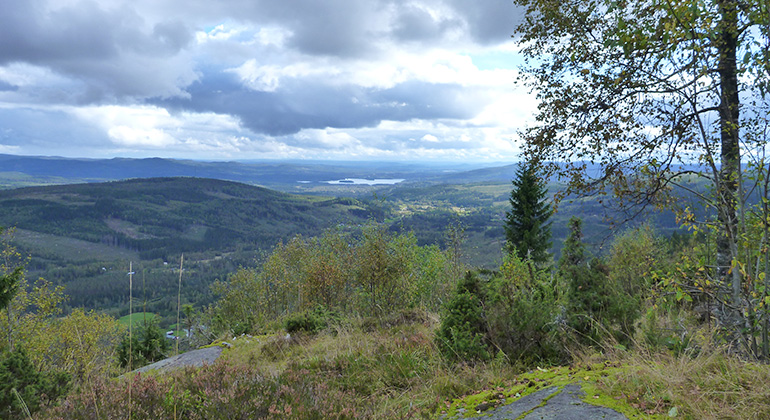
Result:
x=398 y=287
x=165 y=216
x=83 y=236
x=378 y=328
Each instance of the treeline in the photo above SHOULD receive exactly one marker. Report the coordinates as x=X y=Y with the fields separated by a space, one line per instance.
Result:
x=370 y=272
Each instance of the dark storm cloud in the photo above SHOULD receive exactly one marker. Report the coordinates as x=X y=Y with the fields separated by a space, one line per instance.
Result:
x=108 y=50
x=309 y=103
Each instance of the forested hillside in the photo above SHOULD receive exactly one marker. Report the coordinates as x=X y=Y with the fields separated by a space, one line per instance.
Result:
x=83 y=236
x=165 y=216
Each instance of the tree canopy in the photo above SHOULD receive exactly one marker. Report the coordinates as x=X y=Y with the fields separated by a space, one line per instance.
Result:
x=10 y=273
x=645 y=87
x=636 y=95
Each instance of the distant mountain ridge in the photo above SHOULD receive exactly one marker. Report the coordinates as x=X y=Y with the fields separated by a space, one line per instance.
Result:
x=279 y=175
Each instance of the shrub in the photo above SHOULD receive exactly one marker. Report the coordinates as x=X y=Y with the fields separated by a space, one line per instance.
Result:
x=310 y=321
x=373 y=273
x=147 y=345
x=595 y=306
x=23 y=388
x=462 y=334
x=516 y=313
x=525 y=314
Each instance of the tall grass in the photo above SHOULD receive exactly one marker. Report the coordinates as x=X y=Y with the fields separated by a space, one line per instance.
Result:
x=390 y=368
x=709 y=384
x=350 y=371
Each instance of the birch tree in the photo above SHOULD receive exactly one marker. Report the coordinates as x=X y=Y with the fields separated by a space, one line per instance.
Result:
x=638 y=96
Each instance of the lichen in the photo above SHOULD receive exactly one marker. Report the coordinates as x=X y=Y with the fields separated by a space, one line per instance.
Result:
x=588 y=377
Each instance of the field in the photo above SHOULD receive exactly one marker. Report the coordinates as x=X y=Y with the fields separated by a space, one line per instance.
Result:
x=43 y=245
x=137 y=317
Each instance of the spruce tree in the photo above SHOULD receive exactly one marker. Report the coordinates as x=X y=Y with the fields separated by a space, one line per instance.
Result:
x=527 y=226
x=594 y=306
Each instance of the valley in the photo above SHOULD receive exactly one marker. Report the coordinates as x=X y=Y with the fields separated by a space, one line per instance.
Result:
x=82 y=235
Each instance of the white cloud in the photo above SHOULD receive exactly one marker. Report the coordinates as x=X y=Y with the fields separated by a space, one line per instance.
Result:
x=132 y=126
x=267 y=78
x=9 y=149
x=349 y=80
x=23 y=75
x=131 y=136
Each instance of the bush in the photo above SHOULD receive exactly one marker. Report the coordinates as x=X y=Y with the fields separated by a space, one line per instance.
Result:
x=525 y=314
x=462 y=334
x=596 y=307
x=23 y=388
x=311 y=321
x=517 y=313
x=372 y=273
x=147 y=345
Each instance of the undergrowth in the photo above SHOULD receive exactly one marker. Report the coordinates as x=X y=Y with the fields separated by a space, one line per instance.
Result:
x=365 y=369
x=352 y=372
x=710 y=385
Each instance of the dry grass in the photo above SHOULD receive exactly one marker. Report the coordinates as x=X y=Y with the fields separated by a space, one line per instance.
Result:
x=709 y=385
x=394 y=370
x=389 y=372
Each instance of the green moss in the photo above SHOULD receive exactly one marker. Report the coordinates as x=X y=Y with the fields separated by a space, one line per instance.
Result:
x=590 y=378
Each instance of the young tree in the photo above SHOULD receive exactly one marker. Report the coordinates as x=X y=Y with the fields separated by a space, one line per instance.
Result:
x=9 y=285
x=11 y=276
x=463 y=331
x=527 y=229
x=594 y=305
x=631 y=92
x=23 y=388
x=147 y=346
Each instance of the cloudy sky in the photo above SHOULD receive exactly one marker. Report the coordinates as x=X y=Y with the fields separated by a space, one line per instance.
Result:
x=254 y=79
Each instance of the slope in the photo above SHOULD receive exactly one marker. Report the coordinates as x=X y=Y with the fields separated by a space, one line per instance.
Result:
x=162 y=216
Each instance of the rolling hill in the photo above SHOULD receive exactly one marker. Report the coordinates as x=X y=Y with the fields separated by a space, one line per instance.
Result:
x=161 y=216
x=289 y=176
x=84 y=236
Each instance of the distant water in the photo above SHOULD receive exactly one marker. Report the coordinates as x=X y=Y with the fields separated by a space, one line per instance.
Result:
x=362 y=181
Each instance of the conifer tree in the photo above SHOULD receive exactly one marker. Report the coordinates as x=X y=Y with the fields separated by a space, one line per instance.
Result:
x=527 y=226
x=594 y=306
